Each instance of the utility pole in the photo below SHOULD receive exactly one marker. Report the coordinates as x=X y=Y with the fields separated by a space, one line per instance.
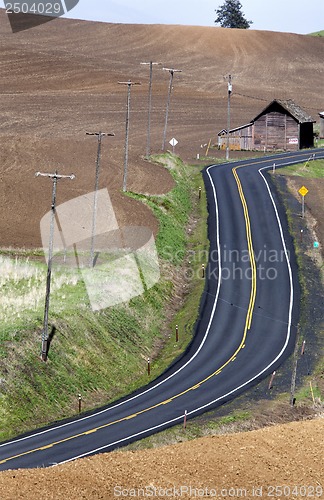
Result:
x=99 y=135
x=129 y=85
x=171 y=71
x=229 y=93
x=55 y=177
x=148 y=145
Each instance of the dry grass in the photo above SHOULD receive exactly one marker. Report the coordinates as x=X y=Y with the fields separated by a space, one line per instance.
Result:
x=23 y=283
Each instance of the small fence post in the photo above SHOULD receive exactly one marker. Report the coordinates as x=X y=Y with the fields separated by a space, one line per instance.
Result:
x=185 y=420
x=271 y=380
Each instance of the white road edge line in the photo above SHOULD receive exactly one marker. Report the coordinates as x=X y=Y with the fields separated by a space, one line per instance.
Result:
x=180 y=417
x=204 y=339
x=170 y=376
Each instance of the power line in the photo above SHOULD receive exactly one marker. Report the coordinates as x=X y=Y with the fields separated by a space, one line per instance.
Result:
x=251 y=97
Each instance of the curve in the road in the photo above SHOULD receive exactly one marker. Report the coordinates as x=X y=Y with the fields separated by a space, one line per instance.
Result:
x=245 y=329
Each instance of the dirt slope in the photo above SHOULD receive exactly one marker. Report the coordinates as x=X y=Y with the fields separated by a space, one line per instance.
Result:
x=234 y=465
x=59 y=80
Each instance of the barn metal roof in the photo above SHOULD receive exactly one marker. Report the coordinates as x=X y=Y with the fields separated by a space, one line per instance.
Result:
x=293 y=109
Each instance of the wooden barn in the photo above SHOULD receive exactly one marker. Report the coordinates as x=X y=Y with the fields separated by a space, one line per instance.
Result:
x=240 y=138
x=321 y=124
x=282 y=125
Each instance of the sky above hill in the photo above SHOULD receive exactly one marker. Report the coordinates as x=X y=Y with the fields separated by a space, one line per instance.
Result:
x=296 y=16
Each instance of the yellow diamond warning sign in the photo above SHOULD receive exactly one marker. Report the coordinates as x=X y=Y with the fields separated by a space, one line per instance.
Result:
x=303 y=191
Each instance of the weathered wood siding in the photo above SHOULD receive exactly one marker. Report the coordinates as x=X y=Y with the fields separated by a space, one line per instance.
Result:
x=241 y=139
x=276 y=131
x=282 y=125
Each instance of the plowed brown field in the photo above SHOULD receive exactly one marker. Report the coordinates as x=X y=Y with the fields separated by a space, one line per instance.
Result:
x=289 y=457
x=60 y=80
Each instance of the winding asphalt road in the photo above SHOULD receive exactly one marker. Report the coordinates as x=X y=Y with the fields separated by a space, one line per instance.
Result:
x=247 y=325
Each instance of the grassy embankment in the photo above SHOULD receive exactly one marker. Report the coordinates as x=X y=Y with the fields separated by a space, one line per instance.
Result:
x=308 y=170
x=196 y=428
x=101 y=355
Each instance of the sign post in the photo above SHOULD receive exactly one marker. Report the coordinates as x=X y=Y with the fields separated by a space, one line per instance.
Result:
x=303 y=191
x=173 y=143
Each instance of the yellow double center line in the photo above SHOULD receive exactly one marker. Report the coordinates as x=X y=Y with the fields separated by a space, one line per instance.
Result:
x=196 y=386
x=250 y=249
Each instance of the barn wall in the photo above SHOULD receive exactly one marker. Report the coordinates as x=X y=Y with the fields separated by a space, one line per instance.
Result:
x=240 y=139
x=321 y=128
x=276 y=131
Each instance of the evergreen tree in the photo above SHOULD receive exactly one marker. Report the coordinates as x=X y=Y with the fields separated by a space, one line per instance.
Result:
x=229 y=15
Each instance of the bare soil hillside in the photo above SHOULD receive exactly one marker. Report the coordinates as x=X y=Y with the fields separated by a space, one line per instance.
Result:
x=60 y=80
x=244 y=465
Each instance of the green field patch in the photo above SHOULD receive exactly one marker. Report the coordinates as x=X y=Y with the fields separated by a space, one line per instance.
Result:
x=310 y=169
